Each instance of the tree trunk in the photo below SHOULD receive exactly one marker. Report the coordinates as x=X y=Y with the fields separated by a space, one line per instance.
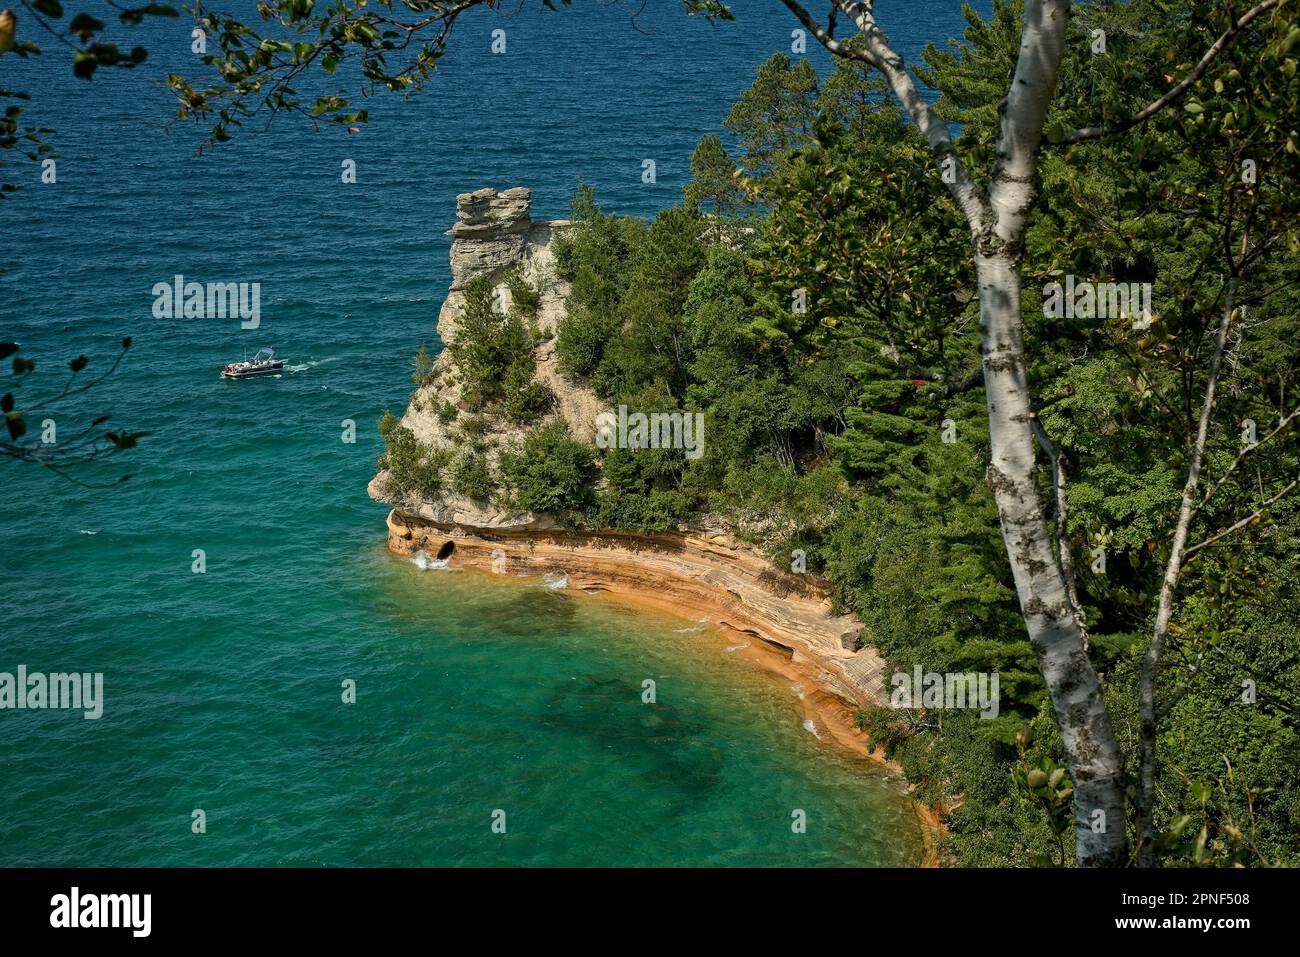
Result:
x=1058 y=640
x=998 y=220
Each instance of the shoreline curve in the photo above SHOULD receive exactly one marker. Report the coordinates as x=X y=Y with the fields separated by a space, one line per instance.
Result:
x=787 y=620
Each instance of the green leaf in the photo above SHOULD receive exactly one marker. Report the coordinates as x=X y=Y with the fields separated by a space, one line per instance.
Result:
x=84 y=65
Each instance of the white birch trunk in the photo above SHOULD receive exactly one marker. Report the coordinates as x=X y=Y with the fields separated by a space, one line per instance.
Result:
x=1092 y=753
x=998 y=219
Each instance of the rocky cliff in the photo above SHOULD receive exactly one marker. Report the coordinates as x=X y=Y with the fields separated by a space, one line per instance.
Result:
x=494 y=236
x=701 y=573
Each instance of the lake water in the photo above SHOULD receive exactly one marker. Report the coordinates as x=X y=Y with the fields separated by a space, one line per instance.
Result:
x=222 y=689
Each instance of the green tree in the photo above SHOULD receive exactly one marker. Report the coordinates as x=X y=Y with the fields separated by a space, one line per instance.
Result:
x=487 y=344
x=552 y=473
x=714 y=187
x=1001 y=211
x=775 y=114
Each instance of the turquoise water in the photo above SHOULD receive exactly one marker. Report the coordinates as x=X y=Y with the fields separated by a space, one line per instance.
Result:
x=223 y=689
x=472 y=696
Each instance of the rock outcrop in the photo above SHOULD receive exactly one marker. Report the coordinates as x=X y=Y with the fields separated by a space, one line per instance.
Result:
x=700 y=573
x=494 y=236
x=492 y=233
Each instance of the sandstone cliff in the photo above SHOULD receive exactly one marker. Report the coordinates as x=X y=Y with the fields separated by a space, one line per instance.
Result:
x=494 y=236
x=701 y=573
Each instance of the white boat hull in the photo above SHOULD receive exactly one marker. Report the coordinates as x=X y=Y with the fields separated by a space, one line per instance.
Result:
x=269 y=368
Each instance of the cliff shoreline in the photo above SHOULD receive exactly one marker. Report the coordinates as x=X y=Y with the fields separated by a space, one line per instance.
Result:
x=781 y=622
x=785 y=621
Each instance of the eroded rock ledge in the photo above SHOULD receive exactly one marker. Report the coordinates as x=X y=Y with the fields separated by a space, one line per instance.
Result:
x=709 y=576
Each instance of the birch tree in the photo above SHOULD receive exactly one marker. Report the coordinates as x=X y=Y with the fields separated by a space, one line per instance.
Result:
x=997 y=214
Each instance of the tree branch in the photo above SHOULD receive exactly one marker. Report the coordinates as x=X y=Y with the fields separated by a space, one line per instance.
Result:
x=1176 y=92
x=879 y=55
x=1192 y=670
x=827 y=39
x=1173 y=569
x=1060 y=519
x=1282 y=424
x=1248 y=520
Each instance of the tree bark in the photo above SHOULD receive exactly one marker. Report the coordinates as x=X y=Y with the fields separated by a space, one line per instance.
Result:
x=1055 y=633
x=998 y=219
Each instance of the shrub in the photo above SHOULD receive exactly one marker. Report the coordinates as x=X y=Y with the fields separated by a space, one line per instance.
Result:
x=474 y=427
x=552 y=473
x=472 y=478
x=414 y=469
x=486 y=344
x=524 y=296
x=423 y=374
x=526 y=400
x=580 y=344
x=565 y=250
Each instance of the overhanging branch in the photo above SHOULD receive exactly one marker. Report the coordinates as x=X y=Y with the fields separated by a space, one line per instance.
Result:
x=1250 y=519
x=1176 y=92
x=881 y=56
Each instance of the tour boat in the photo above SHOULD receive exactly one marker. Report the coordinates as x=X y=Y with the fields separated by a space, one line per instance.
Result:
x=263 y=362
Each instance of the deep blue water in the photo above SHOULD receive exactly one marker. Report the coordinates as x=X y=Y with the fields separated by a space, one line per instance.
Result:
x=223 y=688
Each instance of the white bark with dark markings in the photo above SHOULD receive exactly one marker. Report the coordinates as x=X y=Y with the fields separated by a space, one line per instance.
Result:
x=1055 y=631
x=997 y=220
